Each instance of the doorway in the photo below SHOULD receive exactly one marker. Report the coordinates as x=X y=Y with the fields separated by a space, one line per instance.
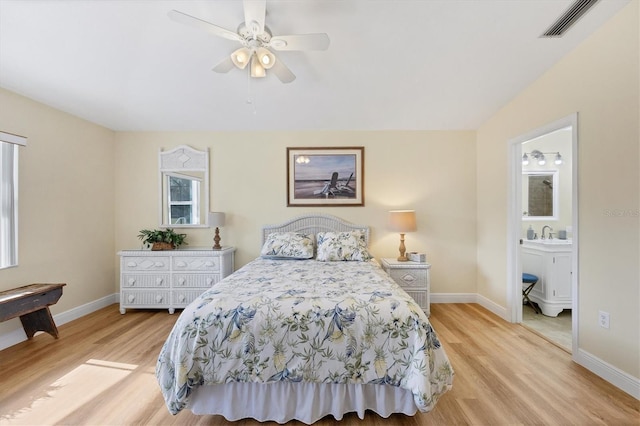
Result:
x=543 y=241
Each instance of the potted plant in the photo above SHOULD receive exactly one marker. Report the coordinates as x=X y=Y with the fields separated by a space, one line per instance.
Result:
x=162 y=239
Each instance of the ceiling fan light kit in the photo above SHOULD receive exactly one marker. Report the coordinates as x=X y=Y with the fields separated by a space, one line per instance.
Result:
x=256 y=40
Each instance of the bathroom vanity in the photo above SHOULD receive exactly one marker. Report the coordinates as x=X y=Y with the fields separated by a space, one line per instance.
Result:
x=551 y=261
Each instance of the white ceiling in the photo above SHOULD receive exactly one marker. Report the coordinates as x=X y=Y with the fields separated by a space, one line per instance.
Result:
x=404 y=64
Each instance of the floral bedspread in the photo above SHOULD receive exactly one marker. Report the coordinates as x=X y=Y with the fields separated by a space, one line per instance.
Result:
x=304 y=320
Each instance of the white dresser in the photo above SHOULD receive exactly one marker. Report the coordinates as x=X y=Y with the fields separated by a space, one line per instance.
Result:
x=170 y=279
x=413 y=277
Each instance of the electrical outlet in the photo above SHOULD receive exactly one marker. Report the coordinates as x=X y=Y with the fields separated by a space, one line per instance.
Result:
x=603 y=319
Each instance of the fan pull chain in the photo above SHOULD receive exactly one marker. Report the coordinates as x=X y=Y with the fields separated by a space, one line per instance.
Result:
x=250 y=98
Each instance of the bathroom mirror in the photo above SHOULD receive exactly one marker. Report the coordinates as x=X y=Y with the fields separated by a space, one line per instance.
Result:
x=184 y=187
x=540 y=195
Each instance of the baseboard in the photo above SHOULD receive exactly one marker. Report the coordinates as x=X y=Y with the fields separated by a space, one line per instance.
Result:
x=608 y=372
x=18 y=335
x=470 y=298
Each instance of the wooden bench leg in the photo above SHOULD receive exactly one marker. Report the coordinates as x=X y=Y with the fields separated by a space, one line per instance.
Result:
x=40 y=320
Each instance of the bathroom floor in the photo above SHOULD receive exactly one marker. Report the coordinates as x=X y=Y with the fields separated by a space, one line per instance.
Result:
x=557 y=329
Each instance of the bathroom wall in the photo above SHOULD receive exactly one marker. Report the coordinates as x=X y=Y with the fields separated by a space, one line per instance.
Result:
x=558 y=141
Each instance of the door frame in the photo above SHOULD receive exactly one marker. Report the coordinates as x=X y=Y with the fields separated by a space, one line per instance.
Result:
x=514 y=222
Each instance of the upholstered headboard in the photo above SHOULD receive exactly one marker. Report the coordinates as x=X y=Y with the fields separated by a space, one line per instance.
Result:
x=314 y=223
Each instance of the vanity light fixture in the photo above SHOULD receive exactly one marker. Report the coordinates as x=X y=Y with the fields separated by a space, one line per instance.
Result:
x=558 y=159
x=540 y=158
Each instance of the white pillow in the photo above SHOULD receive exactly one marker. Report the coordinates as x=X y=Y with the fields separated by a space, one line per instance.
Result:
x=288 y=245
x=336 y=246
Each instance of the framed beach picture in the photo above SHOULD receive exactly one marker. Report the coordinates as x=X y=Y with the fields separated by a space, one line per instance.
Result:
x=325 y=176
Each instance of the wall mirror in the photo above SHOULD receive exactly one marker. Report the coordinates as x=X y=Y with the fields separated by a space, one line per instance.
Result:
x=540 y=195
x=184 y=187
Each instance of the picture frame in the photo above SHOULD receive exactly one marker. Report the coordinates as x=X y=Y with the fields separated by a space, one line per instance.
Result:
x=321 y=177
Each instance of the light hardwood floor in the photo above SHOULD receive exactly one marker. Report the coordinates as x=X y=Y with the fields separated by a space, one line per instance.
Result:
x=101 y=372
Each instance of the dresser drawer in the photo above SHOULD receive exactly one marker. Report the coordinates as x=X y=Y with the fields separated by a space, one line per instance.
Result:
x=183 y=280
x=196 y=263
x=145 y=263
x=145 y=280
x=182 y=297
x=408 y=278
x=145 y=298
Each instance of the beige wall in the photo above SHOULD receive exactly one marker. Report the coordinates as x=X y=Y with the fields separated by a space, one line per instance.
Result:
x=66 y=199
x=431 y=172
x=600 y=81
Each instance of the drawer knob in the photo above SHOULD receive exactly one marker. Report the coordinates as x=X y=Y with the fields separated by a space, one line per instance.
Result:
x=181 y=280
x=159 y=298
x=132 y=282
x=209 y=280
x=131 y=298
x=132 y=264
x=210 y=263
x=181 y=298
x=158 y=264
x=181 y=264
x=159 y=281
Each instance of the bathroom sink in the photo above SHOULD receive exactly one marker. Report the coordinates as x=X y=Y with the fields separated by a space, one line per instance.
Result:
x=550 y=241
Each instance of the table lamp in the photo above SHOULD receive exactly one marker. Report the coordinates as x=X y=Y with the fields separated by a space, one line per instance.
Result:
x=402 y=221
x=216 y=219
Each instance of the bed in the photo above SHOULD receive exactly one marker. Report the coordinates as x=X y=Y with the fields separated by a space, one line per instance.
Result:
x=313 y=327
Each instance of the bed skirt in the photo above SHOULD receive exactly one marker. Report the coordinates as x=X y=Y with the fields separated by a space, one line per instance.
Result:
x=306 y=402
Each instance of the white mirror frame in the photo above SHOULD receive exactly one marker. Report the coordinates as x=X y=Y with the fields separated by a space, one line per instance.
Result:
x=184 y=159
x=555 y=194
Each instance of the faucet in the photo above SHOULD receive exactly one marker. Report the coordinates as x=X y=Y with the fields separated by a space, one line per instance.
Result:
x=543 y=228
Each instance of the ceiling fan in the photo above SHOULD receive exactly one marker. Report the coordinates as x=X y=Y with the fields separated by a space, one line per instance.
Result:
x=257 y=41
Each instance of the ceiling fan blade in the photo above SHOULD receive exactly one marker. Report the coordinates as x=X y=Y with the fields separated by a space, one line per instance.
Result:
x=282 y=72
x=318 y=41
x=225 y=65
x=207 y=26
x=254 y=15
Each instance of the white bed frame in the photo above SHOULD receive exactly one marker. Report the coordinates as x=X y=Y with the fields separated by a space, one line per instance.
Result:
x=306 y=402
x=312 y=224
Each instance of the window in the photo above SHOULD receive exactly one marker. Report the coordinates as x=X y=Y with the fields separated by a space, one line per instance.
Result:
x=9 y=198
x=183 y=199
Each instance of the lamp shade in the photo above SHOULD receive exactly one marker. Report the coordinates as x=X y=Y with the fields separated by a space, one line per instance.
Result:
x=402 y=220
x=216 y=219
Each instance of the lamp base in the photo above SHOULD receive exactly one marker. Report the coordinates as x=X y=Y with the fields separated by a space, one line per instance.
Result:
x=216 y=240
x=403 y=250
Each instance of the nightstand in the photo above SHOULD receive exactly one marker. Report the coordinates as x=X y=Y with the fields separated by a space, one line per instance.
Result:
x=413 y=277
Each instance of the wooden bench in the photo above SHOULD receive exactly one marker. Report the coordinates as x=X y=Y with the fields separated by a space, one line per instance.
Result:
x=31 y=303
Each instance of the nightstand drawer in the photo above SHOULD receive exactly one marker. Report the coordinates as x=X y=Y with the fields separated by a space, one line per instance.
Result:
x=421 y=298
x=408 y=278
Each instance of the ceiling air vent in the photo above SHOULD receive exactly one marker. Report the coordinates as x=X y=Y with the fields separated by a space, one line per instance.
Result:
x=568 y=18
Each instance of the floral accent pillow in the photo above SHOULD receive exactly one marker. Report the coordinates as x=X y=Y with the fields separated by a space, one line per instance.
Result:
x=288 y=245
x=336 y=246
